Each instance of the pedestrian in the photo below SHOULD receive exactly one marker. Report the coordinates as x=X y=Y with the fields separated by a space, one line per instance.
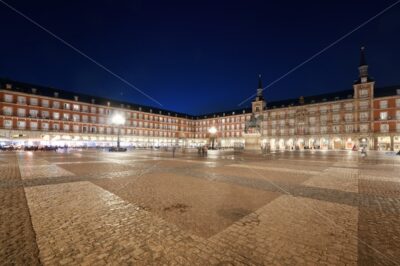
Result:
x=173 y=152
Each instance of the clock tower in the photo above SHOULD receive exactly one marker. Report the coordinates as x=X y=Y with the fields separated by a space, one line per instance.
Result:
x=259 y=104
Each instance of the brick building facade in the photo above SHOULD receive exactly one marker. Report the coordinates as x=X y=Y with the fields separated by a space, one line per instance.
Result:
x=363 y=116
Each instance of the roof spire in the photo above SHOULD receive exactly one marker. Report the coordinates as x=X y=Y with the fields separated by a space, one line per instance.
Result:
x=259 y=82
x=260 y=96
x=363 y=61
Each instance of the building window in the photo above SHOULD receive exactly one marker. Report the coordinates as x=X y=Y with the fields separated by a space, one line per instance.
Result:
x=56 y=105
x=45 y=114
x=364 y=105
x=67 y=106
x=65 y=116
x=45 y=103
x=348 y=117
x=364 y=116
x=364 y=93
x=335 y=129
x=75 y=118
x=34 y=125
x=56 y=127
x=7 y=110
x=398 y=114
x=398 y=127
x=398 y=102
x=76 y=128
x=66 y=127
x=8 y=98
x=21 y=112
x=364 y=128
x=21 y=99
x=336 y=118
x=21 y=124
x=349 y=128
x=33 y=101
x=76 y=107
x=33 y=113
x=383 y=104
x=56 y=115
x=7 y=123
x=384 y=128
x=383 y=115
x=45 y=126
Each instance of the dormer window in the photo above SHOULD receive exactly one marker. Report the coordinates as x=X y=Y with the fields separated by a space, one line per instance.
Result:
x=8 y=86
x=55 y=94
x=93 y=101
x=33 y=90
x=76 y=98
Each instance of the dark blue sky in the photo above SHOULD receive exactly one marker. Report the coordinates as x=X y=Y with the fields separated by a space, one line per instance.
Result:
x=198 y=56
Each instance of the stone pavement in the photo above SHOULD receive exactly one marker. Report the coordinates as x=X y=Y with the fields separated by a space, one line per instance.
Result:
x=147 y=208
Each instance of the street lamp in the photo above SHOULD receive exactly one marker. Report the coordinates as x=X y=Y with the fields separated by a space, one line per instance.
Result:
x=118 y=120
x=212 y=131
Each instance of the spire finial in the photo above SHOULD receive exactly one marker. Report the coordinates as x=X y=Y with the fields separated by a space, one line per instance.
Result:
x=259 y=82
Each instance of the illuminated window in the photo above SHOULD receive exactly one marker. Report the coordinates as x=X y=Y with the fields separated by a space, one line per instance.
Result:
x=383 y=115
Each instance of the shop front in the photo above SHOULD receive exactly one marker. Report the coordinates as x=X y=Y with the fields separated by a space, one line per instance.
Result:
x=383 y=143
x=396 y=143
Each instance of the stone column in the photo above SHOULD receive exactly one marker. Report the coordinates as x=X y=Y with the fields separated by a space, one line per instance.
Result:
x=391 y=143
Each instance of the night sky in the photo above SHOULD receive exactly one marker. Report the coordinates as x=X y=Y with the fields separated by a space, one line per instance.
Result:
x=198 y=56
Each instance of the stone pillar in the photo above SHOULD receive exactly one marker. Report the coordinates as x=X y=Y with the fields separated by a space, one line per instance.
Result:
x=375 y=143
x=391 y=143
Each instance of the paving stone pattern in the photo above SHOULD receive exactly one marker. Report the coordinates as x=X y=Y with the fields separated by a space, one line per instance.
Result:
x=229 y=208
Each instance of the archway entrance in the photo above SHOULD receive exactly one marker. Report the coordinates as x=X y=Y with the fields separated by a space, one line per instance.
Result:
x=337 y=144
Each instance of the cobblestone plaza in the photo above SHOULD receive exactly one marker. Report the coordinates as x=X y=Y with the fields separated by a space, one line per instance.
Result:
x=149 y=208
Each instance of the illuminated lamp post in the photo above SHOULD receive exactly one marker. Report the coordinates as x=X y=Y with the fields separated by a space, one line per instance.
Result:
x=213 y=132
x=118 y=120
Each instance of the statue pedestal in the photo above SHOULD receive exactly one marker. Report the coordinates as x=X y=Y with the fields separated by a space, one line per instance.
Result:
x=252 y=141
